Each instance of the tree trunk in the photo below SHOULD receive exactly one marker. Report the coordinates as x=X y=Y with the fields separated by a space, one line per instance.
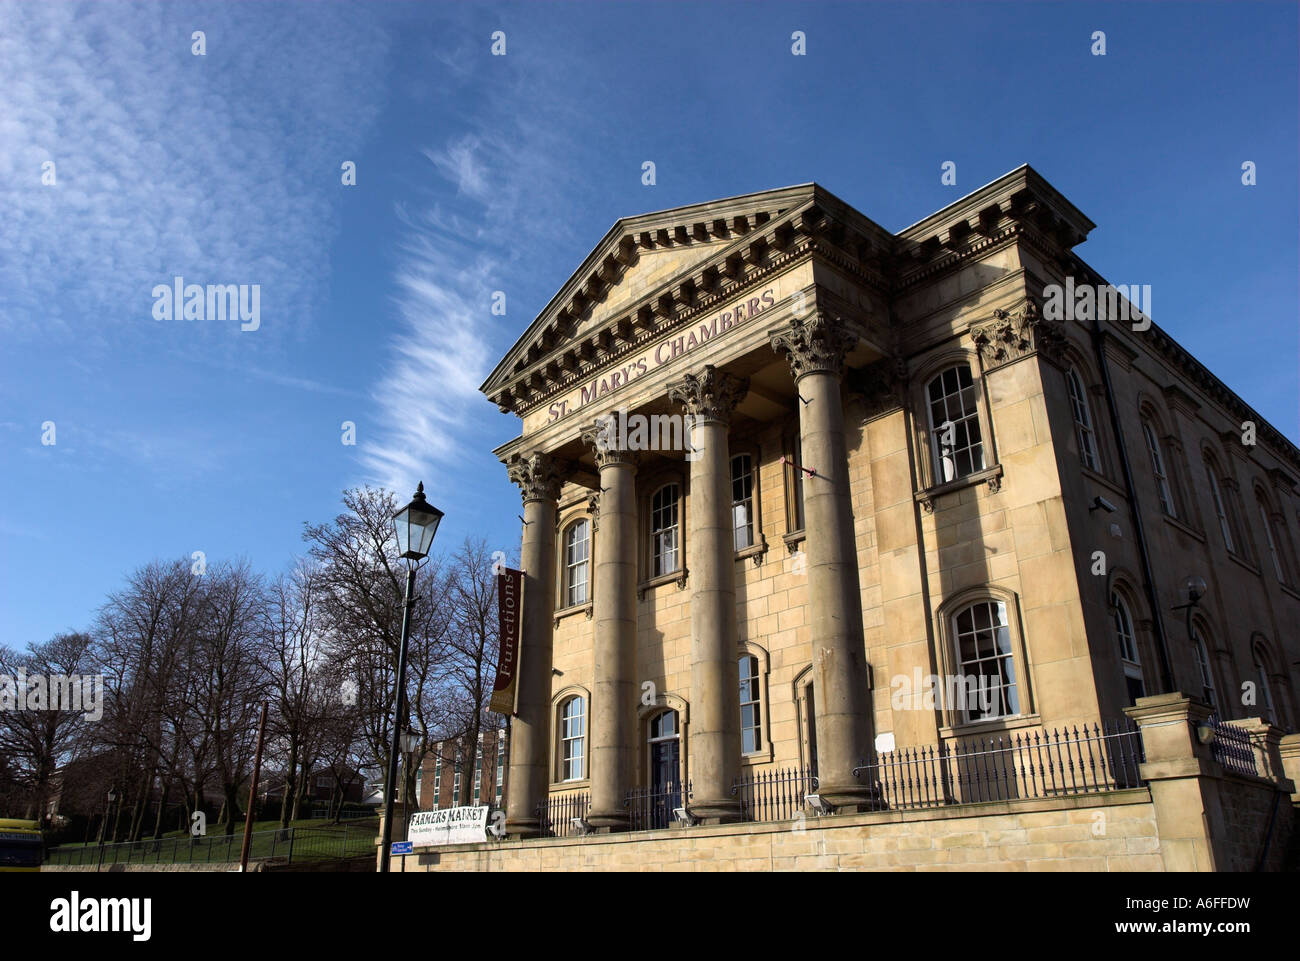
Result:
x=231 y=807
x=162 y=806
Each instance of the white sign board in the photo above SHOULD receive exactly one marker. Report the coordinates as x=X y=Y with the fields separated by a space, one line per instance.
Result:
x=462 y=825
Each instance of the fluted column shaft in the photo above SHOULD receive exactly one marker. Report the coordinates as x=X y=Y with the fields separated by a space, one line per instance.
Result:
x=816 y=347
x=614 y=688
x=708 y=399
x=530 y=730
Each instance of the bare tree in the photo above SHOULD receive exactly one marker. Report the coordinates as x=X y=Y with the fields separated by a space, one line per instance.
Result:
x=39 y=734
x=364 y=583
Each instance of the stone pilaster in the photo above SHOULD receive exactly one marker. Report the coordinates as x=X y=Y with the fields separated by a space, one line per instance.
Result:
x=708 y=399
x=1179 y=770
x=816 y=346
x=539 y=478
x=614 y=688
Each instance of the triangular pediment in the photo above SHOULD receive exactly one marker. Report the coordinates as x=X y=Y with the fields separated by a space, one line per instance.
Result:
x=644 y=269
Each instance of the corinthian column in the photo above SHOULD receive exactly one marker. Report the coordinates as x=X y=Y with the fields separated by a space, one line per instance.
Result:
x=708 y=398
x=815 y=346
x=614 y=687
x=539 y=479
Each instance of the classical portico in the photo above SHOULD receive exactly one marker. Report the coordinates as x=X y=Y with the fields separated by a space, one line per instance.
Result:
x=714 y=316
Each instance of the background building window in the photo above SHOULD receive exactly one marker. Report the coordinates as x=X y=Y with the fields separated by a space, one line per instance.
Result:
x=1264 y=696
x=1082 y=420
x=573 y=729
x=1220 y=506
x=437 y=776
x=1158 y=468
x=1128 y=649
x=954 y=424
x=751 y=731
x=742 y=500
x=478 y=770
x=984 y=653
x=1270 y=538
x=501 y=765
x=577 y=556
x=664 y=541
x=1203 y=665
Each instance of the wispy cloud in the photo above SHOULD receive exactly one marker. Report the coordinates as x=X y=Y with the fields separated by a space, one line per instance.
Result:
x=468 y=240
x=220 y=168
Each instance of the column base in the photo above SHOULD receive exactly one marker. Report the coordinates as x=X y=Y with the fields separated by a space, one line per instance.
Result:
x=850 y=798
x=608 y=823
x=716 y=811
x=524 y=828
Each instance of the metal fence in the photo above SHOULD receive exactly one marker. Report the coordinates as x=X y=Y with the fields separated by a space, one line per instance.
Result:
x=295 y=844
x=555 y=815
x=650 y=809
x=774 y=795
x=1013 y=766
x=1231 y=747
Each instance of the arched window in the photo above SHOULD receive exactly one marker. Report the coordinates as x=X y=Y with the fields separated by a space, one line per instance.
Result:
x=577 y=562
x=665 y=544
x=1159 y=469
x=1128 y=648
x=1264 y=697
x=1220 y=505
x=1083 y=429
x=987 y=664
x=958 y=447
x=751 y=717
x=742 y=501
x=1206 y=672
x=573 y=739
x=1271 y=538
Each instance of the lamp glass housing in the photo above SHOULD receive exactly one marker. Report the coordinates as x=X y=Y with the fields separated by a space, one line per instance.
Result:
x=1194 y=588
x=415 y=525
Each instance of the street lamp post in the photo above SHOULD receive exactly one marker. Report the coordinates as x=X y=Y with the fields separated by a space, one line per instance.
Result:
x=416 y=523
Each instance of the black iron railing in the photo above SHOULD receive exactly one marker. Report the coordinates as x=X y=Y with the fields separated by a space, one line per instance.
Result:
x=652 y=808
x=1231 y=747
x=555 y=815
x=1011 y=766
x=774 y=795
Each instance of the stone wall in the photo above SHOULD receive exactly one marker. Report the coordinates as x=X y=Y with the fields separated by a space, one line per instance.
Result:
x=1099 y=832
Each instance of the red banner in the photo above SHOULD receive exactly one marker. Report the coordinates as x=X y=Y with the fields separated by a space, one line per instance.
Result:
x=510 y=608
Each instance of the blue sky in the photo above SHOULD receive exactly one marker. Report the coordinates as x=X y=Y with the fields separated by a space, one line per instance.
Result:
x=478 y=173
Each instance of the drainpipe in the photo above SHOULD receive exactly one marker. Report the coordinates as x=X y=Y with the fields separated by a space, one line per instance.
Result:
x=1162 y=650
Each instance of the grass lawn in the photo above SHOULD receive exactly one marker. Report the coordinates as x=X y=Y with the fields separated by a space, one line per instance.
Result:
x=307 y=840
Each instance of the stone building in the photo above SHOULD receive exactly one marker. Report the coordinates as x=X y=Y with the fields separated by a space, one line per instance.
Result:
x=848 y=468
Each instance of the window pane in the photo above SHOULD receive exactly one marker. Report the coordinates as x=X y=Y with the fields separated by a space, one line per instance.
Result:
x=954 y=424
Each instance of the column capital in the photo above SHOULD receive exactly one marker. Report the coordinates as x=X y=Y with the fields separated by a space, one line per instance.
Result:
x=1016 y=333
x=711 y=394
x=602 y=437
x=539 y=476
x=816 y=343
